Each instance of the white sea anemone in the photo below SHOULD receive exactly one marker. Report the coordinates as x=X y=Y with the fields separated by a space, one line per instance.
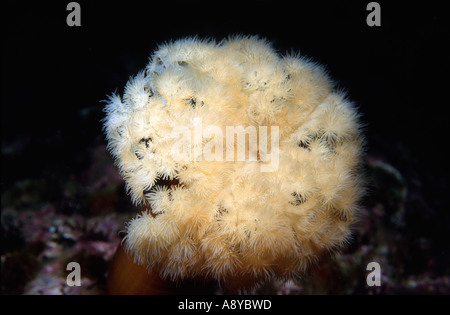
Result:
x=228 y=219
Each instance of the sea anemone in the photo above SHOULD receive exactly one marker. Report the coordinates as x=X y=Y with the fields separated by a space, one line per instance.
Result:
x=248 y=163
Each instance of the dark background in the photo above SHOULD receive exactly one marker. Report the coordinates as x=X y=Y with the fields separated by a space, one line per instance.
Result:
x=55 y=76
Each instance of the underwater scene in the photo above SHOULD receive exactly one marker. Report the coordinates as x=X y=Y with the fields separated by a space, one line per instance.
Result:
x=343 y=192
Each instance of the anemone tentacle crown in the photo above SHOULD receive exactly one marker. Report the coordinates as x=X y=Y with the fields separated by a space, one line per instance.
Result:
x=226 y=218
